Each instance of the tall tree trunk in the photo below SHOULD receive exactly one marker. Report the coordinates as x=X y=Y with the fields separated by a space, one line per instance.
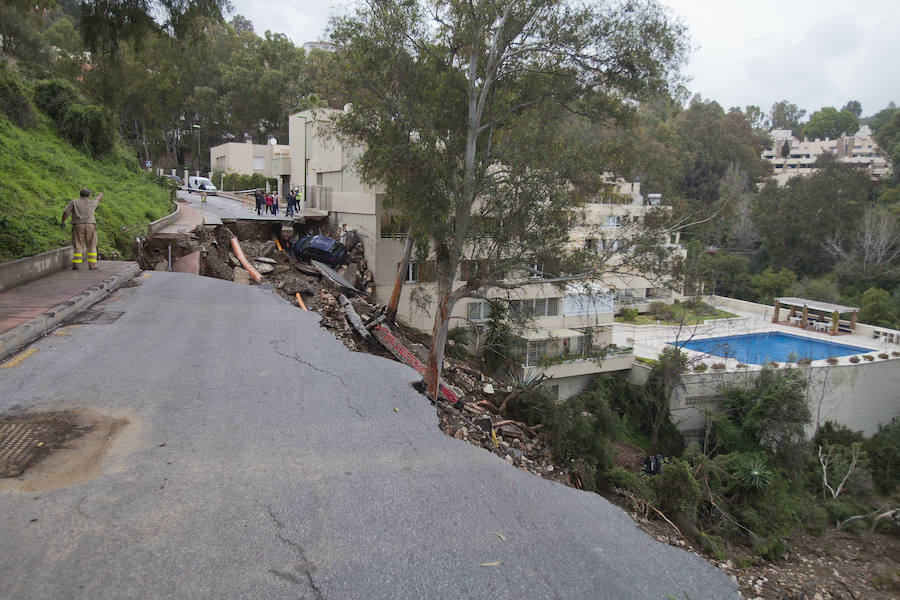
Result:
x=391 y=313
x=439 y=337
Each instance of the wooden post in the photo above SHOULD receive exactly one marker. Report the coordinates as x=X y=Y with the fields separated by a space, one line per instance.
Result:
x=853 y=321
x=804 y=317
x=777 y=307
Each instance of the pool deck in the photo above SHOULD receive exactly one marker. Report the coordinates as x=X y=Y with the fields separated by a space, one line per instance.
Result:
x=649 y=340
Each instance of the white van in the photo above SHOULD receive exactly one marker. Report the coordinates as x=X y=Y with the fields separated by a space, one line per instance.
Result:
x=196 y=184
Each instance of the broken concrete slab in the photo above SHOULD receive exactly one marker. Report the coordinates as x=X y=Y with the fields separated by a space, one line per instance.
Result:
x=189 y=263
x=241 y=276
x=262 y=267
x=511 y=431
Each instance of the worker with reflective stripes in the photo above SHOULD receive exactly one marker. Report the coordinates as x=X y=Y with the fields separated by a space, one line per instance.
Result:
x=84 y=231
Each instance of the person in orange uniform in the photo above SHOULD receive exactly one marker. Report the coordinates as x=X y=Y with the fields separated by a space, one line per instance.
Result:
x=84 y=231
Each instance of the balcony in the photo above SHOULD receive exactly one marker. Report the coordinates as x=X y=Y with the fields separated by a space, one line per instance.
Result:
x=610 y=358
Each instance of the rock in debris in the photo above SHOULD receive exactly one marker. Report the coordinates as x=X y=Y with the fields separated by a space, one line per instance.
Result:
x=510 y=430
x=484 y=423
x=267 y=248
x=241 y=276
x=270 y=261
x=488 y=388
x=232 y=260
x=262 y=267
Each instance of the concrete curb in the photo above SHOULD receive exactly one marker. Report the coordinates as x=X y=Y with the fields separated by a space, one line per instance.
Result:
x=26 y=333
x=30 y=268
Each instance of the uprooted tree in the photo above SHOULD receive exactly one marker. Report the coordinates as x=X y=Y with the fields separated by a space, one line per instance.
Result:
x=474 y=117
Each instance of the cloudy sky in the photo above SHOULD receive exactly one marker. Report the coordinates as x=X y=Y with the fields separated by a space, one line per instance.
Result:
x=812 y=53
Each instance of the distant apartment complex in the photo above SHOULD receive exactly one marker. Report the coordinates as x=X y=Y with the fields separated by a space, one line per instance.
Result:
x=791 y=157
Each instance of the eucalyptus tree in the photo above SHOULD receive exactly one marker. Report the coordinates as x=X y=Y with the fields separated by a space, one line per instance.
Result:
x=467 y=112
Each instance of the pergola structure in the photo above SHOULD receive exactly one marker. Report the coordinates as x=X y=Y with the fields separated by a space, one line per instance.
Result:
x=823 y=316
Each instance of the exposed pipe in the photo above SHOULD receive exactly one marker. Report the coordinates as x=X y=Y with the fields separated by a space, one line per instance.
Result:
x=236 y=246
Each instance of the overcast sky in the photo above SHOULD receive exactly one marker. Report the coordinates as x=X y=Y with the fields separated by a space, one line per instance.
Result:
x=812 y=53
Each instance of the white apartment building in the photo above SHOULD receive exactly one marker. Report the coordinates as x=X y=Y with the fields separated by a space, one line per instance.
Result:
x=270 y=160
x=569 y=335
x=604 y=223
x=791 y=157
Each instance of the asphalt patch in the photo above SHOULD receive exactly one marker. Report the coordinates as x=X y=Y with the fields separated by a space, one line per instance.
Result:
x=52 y=450
x=97 y=317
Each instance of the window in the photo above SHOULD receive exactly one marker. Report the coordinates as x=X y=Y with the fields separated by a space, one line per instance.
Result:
x=536 y=307
x=478 y=311
x=412 y=272
x=535 y=351
x=552 y=307
x=590 y=244
x=259 y=163
x=537 y=270
x=393 y=226
x=576 y=346
x=612 y=221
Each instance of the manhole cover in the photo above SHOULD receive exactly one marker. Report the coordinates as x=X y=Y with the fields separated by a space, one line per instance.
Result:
x=24 y=439
x=98 y=317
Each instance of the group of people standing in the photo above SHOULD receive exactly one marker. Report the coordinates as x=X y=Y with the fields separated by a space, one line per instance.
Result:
x=268 y=201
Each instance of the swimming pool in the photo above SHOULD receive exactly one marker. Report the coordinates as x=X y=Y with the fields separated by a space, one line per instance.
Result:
x=758 y=348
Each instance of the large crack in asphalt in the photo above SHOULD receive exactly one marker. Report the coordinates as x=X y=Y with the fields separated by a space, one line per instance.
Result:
x=303 y=566
x=296 y=358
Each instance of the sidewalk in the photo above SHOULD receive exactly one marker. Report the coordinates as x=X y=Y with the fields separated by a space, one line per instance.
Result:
x=29 y=311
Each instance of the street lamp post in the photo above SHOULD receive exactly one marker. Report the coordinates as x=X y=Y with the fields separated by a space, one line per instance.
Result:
x=197 y=127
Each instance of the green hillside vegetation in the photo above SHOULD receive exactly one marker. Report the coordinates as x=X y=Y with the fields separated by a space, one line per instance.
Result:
x=40 y=173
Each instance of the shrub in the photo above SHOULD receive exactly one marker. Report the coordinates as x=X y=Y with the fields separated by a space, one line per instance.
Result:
x=719 y=366
x=854 y=359
x=14 y=101
x=869 y=357
x=832 y=360
x=895 y=353
x=629 y=314
x=459 y=348
x=883 y=450
x=89 y=127
x=772 y=548
x=229 y=180
x=741 y=366
x=883 y=356
x=754 y=473
x=678 y=493
x=804 y=361
x=55 y=97
x=632 y=482
x=772 y=364
x=700 y=368
x=663 y=311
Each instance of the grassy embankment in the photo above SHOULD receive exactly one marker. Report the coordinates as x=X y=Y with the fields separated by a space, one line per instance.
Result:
x=40 y=173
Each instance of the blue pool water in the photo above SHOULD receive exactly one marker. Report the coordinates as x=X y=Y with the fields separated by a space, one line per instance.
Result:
x=758 y=348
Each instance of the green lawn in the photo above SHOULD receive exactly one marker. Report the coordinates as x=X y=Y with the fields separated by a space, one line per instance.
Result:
x=40 y=173
x=691 y=318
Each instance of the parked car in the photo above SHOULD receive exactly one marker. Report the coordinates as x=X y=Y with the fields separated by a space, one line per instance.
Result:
x=320 y=248
x=174 y=178
x=197 y=184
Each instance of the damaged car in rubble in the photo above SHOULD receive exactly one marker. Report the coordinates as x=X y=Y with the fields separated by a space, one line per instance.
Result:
x=321 y=248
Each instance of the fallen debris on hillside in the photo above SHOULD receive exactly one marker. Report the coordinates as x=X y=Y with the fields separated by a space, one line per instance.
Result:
x=473 y=409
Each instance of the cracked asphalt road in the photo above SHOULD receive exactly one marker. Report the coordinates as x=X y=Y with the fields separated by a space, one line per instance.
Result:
x=265 y=460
